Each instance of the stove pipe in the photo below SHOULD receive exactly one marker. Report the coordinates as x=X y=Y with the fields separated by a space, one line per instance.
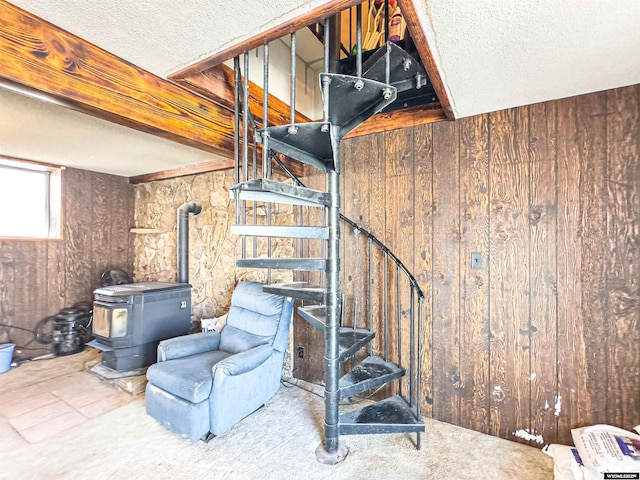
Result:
x=184 y=210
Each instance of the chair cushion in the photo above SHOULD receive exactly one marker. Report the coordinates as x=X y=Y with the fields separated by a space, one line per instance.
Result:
x=253 y=318
x=249 y=295
x=234 y=340
x=189 y=378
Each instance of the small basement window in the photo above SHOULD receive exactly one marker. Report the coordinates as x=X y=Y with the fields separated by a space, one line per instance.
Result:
x=30 y=200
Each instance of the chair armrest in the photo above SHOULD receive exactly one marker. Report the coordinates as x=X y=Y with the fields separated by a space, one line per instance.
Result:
x=246 y=361
x=188 y=345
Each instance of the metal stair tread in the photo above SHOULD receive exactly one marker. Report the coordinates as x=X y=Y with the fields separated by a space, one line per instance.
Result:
x=284 y=263
x=351 y=340
x=310 y=143
x=315 y=315
x=391 y=415
x=265 y=190
x=283 y=231
x=301 y=290
x=349 y=106
x=372 y=372
x=375 y=66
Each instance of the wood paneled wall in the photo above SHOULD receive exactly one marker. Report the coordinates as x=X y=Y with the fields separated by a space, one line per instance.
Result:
x=38 y=278
x=546 y=335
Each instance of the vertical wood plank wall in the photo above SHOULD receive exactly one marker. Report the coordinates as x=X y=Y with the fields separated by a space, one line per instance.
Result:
x=546 y=335
x=38 y=278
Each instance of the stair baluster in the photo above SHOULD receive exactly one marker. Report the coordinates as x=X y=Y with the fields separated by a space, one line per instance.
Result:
x=399 y=321
x=266 y=161
x=245 y=143
x=386 y=306
x=236 y=134
x=419 y=373
x=359 y=40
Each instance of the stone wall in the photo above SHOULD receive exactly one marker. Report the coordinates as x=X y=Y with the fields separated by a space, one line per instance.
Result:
x=212 y=249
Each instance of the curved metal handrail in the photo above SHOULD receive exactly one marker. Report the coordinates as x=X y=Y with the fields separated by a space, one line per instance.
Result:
x=385 y=249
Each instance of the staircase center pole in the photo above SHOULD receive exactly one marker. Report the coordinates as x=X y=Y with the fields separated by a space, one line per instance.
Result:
x=332 y=451
x=332 y=366
x=334 y=44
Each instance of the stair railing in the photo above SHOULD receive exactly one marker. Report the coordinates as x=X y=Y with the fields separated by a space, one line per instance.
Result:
x=413 y=322
x=246 y=134
x=414 y=314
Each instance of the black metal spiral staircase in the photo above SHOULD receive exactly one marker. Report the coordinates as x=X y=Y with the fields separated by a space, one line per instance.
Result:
x=348 y=101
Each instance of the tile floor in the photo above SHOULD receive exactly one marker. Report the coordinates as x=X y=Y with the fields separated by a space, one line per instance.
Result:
x=47 y=406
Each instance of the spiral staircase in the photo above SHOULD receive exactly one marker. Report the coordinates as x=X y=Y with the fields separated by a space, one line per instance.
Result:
x=348 y=101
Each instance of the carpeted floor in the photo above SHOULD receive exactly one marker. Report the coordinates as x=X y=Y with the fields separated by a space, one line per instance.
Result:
x=276 y=442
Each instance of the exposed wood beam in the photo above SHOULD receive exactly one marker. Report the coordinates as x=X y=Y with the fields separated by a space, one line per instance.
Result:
x=182 y=172
x=32 y=162
x=44 y=61
x=224 y=164
x=410 y=14
x=217 y=83
x=409 y=117
x=316 y=15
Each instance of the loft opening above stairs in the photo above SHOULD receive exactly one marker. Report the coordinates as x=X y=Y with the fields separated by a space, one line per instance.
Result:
x=417 y=99
x=408 y=75
x=411 y=80
x=384 y=33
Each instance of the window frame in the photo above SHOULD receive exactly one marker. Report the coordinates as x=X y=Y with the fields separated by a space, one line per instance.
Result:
x=53 y=195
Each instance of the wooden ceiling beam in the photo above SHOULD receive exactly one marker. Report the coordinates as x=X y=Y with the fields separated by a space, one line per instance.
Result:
x=218 y=84
x=408 y=117
x=182 y=171
x=410 y=14
x=44 y=61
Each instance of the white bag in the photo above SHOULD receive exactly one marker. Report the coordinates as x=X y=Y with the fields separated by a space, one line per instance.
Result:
x=605 y=448
x=567 y=464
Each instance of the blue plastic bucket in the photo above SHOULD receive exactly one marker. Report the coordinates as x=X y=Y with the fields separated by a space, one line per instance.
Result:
x=6 y=355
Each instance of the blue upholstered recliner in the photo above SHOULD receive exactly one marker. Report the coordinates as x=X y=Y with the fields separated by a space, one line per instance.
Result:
x=206 y=382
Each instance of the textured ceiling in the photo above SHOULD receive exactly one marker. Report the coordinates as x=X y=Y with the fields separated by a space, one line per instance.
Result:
x=35 y=130
x=491 y=54
x=495 y=54
x=164 y=35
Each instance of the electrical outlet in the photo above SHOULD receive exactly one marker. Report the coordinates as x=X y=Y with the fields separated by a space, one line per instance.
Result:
x=300 y=352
